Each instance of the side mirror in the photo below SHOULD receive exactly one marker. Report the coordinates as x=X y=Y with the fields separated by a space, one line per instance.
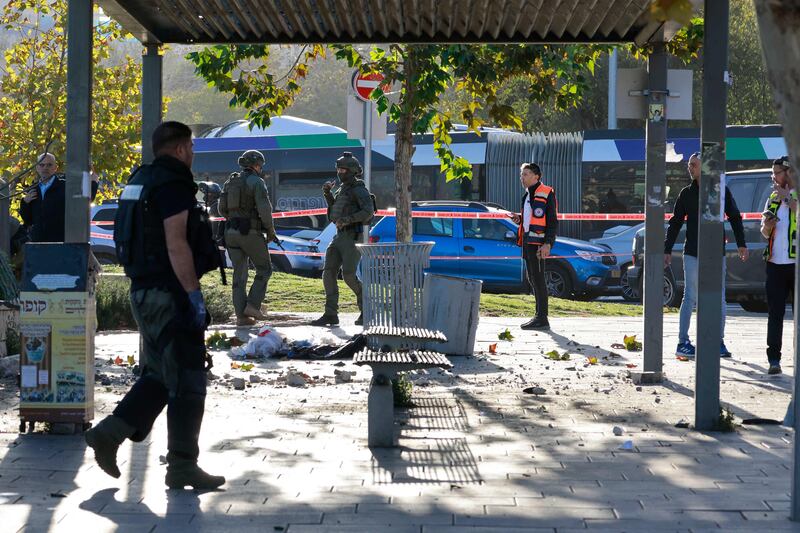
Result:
x=511 y=236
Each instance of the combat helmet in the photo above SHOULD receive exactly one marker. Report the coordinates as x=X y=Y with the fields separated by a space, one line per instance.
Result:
x=251 y=158
x=350 y=163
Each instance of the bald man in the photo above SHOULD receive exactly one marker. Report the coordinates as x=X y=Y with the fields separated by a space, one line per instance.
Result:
x=42 y=207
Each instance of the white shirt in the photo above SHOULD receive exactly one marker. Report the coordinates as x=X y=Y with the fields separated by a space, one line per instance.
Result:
x=526 y=213
x=780 y=241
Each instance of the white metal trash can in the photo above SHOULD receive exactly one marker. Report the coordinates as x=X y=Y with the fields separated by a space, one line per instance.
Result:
x=452 y=306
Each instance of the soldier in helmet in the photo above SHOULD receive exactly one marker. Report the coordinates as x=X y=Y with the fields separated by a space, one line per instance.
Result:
x=245 y=203
x=211 y=194
x=349 y=207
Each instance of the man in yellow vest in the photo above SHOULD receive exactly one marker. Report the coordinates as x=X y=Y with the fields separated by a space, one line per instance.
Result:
x=779 y=226
x=538 y=225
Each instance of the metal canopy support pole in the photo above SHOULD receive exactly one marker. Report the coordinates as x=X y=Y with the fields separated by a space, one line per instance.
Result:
x=79 y=119
x=711 y=207
x=655 y=172
x=367 y=157
x=612 y=89
x=152 y=100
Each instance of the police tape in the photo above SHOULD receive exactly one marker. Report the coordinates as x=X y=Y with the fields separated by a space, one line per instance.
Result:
x=581 y=217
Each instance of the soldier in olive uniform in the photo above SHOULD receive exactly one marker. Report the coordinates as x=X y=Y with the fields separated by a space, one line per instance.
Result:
x=349 y=207
x=245 y=203
x=211 y=193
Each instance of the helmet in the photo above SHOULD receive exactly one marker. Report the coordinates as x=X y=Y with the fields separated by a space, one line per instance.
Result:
x=350 y=163
x=251 y=158
x=209 y=188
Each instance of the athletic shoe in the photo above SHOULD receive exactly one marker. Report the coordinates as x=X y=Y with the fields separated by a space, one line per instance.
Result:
x=775 y=368
x=685 y=349
x=723 y=351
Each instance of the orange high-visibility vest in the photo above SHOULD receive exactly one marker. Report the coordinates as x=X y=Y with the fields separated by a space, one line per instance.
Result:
x=538 y=222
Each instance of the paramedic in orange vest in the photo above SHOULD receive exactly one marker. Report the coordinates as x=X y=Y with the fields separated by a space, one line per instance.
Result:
x=538 y=225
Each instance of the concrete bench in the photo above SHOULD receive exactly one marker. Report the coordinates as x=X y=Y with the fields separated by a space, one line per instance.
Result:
x=380 y=404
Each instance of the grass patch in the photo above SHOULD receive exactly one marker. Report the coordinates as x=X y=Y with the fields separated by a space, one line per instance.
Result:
x=290 y=293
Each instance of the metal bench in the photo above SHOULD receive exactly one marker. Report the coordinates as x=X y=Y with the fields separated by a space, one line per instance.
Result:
x=385 y=367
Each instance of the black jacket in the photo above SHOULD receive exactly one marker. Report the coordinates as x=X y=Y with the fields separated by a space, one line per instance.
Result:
x=45 y=217
x=552 y=214
x=686 y=206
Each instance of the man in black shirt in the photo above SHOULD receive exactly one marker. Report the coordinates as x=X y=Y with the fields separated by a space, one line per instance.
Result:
x=165 y=245
x=42 y=207
x=686 y=207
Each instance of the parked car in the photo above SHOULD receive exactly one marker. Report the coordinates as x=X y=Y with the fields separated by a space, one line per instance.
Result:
x=618 y=240
x=486 y=249
x=102 y=243
x=101 y=233
x=744 y=283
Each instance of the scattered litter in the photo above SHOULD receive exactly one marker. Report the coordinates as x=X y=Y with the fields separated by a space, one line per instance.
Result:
x=631 y=344
x=682 y=423
x=238 y=383
x=591 y=360
x=618 y=431
x=505 y=335
x=682 y=358
x=255 y=378
x=555 y=356
x=297 y=379
x=535 y=390
x=493 y=348
x=630 y=365
x=343 y=376
x=627 y=445
x=265 y=344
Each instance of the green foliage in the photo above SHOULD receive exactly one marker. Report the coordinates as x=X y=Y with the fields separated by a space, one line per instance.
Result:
x=218 y=341
x=555 y=356
x=401 y=388
x=631 y=344
x=33 y=87
x=727 y=421
x=505 y=335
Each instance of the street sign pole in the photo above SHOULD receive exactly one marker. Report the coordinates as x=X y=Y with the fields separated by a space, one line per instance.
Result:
x=367 y=156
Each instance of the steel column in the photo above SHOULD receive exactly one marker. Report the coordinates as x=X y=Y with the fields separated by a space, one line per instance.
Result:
x=655 y=176
x=152 y=97
x=79 y=120
x=711 y=205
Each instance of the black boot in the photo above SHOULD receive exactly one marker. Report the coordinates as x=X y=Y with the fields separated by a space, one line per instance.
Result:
x=105 y=439
x=326 y=320
x=184 y=418
x=536 y=323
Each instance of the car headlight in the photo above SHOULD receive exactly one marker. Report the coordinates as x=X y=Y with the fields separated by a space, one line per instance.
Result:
x=589 y=256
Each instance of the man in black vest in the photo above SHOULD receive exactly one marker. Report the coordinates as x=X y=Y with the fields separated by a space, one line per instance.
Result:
x=42 y=207
x=163 y=240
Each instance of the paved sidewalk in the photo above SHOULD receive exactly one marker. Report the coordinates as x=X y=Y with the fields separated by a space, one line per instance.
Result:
x=476 y=453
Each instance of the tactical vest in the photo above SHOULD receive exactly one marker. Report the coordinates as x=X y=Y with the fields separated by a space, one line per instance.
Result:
x=774 y=204
x=139 y=236
x=538 y=221
x=346 y=204
x=239 y=201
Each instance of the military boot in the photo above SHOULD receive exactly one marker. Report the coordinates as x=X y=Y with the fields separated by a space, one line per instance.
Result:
x=245 y=321
x=105 y=439
x=326 y=320
x=253 y=312
x=184 y=418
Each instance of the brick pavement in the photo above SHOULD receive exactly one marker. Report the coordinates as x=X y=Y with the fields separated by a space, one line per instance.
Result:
x=476 y=454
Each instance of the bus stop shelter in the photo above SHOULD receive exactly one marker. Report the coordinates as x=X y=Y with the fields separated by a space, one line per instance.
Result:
x=158 y=22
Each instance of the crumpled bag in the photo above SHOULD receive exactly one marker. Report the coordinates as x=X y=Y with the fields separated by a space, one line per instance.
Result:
x=265 y=344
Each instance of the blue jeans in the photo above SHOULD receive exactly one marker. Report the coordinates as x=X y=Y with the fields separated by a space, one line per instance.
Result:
x=690 y=298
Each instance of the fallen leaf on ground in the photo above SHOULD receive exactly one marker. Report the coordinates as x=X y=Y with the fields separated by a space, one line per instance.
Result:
x=682 y=358
x=247 y=367
x=630 y=365
x=631 y=344
x=235 y=365
x=118 y=360
x=131 y=360
x=592 y=360
x=505 y=335
x=493 y=348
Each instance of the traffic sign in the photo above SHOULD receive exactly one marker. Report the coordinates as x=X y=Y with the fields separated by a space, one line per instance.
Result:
x=364 y=84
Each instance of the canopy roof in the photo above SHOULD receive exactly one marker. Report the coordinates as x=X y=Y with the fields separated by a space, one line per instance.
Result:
x=375 y=21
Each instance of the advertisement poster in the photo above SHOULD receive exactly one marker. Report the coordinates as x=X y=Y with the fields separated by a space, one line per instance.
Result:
x=57 y=360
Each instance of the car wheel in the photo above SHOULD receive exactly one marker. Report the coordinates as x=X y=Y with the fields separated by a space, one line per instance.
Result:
x=628 y=293
x=754 y=305
x=672 y=295
x=106 y=259
x=559 y=284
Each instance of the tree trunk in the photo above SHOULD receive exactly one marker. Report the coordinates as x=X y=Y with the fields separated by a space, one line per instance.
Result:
x=404 y=150
x=779 y=26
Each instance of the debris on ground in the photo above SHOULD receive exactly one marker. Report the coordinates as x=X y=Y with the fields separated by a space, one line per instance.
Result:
x=295 y=379
x=343 y=376
x=218 y=341
x=631 y=344
x=255 y=378
x=238 y=383
x=618 y=431
x=538 y=391
x=627 y=445
x=505 y=335
x=555 y=356
x=682 y=423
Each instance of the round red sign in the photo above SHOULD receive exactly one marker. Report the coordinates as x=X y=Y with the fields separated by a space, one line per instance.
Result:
x=363 y=84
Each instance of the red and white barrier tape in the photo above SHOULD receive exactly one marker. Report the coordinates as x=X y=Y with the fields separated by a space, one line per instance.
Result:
x=638 y=217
